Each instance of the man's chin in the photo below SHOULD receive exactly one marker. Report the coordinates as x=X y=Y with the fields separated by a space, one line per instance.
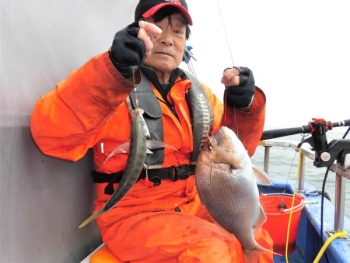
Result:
x=164 y=68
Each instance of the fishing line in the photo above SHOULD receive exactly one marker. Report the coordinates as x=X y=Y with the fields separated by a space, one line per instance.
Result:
x=229 y=48
x=291 y=165
x=134 y=81
x=346 y=133
x=234 y=121
x=289 y=172
x=223 y=24
x=187 y=58
x=191 y=68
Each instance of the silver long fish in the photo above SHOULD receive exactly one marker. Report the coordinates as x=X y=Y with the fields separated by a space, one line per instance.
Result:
x=137 y=149
x=227 y=187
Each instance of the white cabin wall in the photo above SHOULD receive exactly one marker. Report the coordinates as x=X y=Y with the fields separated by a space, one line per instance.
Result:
x=44 y=199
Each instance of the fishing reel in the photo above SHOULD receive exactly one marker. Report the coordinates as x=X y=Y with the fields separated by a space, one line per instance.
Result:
x=325 y=153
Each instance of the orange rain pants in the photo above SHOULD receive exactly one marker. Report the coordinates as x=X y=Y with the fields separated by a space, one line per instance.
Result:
x=169 y=236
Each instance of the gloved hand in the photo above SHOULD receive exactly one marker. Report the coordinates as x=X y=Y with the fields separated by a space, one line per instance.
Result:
x=128 y=50
x=241 y=96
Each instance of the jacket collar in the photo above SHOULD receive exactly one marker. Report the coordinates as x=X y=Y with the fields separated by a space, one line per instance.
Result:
x=151 y=75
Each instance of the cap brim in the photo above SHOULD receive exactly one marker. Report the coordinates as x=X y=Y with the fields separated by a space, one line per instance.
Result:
x=156 y=8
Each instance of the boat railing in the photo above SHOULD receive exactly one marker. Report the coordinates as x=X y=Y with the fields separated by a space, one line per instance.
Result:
x=342 y=171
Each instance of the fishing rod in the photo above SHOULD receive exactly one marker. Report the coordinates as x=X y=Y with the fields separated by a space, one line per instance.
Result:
x=325 y=154
x=276 y=133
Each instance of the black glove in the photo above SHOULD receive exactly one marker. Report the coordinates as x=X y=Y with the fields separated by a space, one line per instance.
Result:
x=241 y=96
x=127 y=50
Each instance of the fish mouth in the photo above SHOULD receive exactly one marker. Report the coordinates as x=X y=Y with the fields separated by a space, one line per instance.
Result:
x=220 y=136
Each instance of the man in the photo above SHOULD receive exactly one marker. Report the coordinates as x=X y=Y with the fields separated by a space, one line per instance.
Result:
x=161 y=219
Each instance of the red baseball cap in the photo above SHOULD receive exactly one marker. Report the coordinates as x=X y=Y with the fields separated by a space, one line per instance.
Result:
x=147 y=8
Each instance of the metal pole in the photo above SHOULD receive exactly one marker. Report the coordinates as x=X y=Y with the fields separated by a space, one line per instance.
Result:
x=301 y=171
x=267 y=159
x=339 y=202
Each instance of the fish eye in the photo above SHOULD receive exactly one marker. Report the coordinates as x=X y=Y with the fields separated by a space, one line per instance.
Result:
x=212 y=143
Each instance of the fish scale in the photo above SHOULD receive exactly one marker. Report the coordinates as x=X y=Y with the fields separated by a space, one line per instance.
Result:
x=232 y=184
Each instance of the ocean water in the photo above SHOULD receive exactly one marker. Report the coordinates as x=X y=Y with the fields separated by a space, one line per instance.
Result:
x=284 y=161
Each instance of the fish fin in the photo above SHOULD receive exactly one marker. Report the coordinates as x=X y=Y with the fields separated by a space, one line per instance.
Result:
x=90 y=218
x=261 y=176
x=262 y=218
x=154 y=144
x=122 y=148
x=252 y=255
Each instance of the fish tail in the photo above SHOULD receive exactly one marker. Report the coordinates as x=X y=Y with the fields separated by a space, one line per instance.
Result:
x=252 y=255
x=90 y=218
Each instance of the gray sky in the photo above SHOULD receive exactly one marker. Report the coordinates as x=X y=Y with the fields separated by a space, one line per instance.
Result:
x=298 y=50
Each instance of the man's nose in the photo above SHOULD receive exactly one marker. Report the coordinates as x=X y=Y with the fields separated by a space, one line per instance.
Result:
x=166 y=36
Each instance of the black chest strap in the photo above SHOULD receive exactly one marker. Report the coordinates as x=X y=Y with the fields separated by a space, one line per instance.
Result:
x=155 y=176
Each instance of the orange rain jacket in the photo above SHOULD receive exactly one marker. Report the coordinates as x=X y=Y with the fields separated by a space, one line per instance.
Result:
x=88 y=110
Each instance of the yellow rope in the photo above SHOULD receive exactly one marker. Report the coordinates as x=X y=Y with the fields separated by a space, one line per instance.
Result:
x=292 y=205
x=329 y=240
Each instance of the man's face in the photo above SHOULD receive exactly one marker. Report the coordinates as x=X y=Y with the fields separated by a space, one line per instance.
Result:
x=168 y=47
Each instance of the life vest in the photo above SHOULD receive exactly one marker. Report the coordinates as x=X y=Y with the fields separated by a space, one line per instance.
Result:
x=202 y=117
x=202 y=122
